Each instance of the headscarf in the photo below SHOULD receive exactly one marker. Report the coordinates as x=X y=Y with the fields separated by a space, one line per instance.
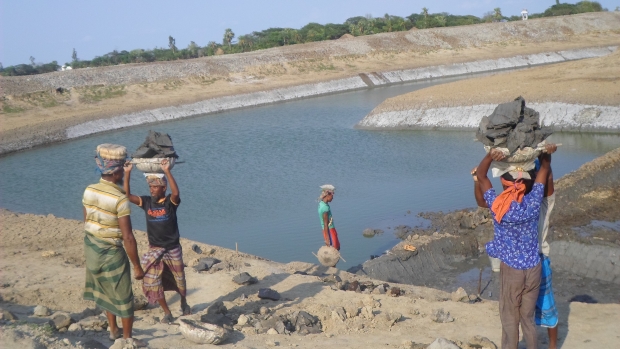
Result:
x=326 y=189
x=156 y=180
x=515 y=192
x=106 y=166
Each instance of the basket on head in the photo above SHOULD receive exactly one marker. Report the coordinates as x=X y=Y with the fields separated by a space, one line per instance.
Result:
x=151 y=165
x=328 y=256
x=112 y=151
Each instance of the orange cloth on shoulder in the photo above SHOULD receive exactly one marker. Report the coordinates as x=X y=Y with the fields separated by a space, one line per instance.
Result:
x=515 y=192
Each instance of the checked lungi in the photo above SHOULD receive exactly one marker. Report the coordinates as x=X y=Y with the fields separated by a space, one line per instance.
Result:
x=163 y=271
x=108 y=275
x=546 y=312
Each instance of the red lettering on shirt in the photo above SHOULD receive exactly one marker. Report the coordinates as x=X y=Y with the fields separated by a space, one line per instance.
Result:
x=157 y=213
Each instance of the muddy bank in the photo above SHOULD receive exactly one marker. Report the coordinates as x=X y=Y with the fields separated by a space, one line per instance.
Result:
x=584 y=237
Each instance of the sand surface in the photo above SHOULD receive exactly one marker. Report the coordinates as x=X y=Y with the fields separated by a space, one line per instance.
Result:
x=29 y=279
x=594 y=81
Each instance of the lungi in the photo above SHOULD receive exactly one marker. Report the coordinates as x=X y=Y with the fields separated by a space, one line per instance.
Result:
x=333 y=238
x=108 y=276
x=163 y=271
x=546 y=312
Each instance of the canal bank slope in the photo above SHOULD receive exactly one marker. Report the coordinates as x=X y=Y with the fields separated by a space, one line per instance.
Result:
x=42 y=263
x=33 y=113
x=572 y=96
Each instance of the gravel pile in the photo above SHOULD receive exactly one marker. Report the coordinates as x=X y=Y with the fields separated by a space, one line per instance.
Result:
x=539 y=30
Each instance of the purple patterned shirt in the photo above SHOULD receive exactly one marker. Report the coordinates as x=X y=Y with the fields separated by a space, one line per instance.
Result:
x=516 y=236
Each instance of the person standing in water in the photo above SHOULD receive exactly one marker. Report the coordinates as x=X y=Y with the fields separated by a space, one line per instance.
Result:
x=325 y=215
x=163 y=263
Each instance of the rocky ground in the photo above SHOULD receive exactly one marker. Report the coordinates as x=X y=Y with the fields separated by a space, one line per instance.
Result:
x=31 y=107
x=307 y=305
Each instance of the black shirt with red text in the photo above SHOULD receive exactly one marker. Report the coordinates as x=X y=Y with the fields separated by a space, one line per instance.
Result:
x=161 y=222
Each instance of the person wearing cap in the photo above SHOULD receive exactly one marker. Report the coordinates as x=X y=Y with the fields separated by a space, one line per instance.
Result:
x=515 y=215
x=163 y=263
x=325 y=215
x=107 y=226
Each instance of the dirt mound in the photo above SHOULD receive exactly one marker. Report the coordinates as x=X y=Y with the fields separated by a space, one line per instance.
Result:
x=346 y=36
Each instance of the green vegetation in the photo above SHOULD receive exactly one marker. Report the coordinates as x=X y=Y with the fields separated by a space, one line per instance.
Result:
x=93 y=94
x=29 y=69
x=274 y=37
x=7 y=109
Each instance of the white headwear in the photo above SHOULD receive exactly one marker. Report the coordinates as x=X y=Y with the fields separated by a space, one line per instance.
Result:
x=326 y=189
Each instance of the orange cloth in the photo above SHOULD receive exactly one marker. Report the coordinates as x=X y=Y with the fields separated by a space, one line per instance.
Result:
x=515 y=192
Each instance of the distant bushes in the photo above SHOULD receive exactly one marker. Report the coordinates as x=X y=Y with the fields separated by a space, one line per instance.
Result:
x=274 y=37
x=29 y=69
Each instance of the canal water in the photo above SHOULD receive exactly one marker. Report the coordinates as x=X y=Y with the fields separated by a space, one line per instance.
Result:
x=252 y=176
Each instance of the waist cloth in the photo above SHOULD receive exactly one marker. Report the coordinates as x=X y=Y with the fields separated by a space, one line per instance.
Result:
x=546 y=311
x=163 y=271
x=108 y=276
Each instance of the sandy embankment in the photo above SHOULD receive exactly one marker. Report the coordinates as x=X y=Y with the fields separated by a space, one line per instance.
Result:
x=42 y=263
x=573 y=96
x=33 y=114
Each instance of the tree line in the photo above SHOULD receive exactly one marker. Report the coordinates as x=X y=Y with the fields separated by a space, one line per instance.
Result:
x=274 y=37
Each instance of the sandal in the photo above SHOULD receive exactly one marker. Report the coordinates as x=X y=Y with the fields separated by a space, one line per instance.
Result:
x=186 y=309
x=118 y=334
x=167 y=319
x=409 y=248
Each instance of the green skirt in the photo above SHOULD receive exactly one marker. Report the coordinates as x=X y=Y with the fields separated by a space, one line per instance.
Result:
x=108 y=276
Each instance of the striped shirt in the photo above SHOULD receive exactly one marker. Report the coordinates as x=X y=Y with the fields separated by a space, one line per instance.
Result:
x=105 y=203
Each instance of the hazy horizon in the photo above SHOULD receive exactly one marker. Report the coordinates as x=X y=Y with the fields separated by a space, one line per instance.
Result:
x=50 y=31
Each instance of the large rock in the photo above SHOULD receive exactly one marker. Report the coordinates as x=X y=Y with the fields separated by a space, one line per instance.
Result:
x=267 y=293
x=41 y=311
x=7 y=315
x=442 y=343
x=205 y=264
x=242 y=320
x=480 y=342
x=339 y=314
x=94 y=322
x=459 y=295
x=60 y=320
x=244 y=279
x=440 y=316
x=216 y=308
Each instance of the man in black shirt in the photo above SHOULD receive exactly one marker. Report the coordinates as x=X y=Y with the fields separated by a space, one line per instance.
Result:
x=163 y=263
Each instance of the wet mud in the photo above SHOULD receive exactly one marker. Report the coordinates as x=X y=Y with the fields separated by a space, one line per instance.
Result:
x=584 y=236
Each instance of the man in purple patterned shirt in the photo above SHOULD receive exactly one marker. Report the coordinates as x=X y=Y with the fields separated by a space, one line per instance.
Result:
x=515 y=216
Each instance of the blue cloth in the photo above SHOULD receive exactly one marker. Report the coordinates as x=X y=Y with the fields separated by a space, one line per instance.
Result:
x=516 y=237
x=546 y=312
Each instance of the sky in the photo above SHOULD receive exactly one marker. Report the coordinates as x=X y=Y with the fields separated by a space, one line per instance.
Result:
x=50 y=30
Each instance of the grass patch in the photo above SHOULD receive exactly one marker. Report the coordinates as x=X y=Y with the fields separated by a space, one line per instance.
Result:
x=173 y=84
x=202 y=80
x=9 y=109
x=94 y=94
x=45 y=99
